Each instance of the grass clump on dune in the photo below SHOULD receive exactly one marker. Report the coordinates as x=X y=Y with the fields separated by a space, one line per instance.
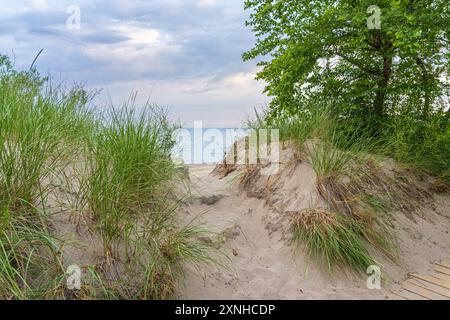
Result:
x=359 y=185
x=332 y=238
x=119 y=172
x=30 y=260
x=127 y=190
x=360 y=191
x=38 y=130
x=128 y=169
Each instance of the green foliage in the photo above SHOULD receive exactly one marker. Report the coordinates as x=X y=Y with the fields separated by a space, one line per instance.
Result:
x=389 y=86
x=421 y=143
x=317 y=51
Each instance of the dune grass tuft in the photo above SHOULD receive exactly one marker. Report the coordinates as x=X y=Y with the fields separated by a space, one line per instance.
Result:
x=127 y=190
x=38 y=129
x=332 y=238
x=30 y=259
x=360 y=186
x=128 y=167
x=119 y=170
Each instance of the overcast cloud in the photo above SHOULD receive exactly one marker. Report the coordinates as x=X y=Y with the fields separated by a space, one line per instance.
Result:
x=182 y=54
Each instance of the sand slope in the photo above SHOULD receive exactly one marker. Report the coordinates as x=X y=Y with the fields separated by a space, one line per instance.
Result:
x=262 y=264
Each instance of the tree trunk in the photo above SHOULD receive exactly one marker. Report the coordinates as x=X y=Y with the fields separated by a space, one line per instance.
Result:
x=426 y=87
x=380 y=97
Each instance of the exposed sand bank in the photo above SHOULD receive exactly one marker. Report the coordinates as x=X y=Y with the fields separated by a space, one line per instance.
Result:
x=264 y=265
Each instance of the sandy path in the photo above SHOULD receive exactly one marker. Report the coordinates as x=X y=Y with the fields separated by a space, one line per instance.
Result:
x=262 y=264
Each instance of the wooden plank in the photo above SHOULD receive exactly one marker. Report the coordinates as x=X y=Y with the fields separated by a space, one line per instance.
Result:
x=444 y=293
x=409 y=295
x=398 y=295
x=441 y=269
x=425 y=293
x=445 y=264
x=442 y=276
x=433 y=280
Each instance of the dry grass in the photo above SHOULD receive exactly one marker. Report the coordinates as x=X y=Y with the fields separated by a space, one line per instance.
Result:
x=332 y=238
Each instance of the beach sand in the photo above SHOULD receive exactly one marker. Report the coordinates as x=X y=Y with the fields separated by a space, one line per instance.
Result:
x=261 y=262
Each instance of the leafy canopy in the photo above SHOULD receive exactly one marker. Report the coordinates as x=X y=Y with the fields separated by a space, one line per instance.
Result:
x=317 y=51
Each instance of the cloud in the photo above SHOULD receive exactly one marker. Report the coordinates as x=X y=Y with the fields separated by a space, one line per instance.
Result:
x=105 y=37
x=190 y=48
x=236 y=81
x=206 y=3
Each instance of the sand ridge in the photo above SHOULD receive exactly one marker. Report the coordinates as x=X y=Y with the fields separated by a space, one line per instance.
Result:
x=263 y=264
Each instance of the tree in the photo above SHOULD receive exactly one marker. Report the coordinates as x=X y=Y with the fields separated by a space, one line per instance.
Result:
x=324 y=50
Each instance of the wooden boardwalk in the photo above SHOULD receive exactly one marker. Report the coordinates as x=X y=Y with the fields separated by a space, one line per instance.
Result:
x=428 y=287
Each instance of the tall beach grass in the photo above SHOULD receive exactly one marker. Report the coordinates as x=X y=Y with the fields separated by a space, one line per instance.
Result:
x=119 y=168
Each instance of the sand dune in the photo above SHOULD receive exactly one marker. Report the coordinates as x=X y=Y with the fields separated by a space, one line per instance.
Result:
x=252 y=230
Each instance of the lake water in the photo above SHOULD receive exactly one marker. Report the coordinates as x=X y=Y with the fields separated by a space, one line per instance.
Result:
x=205 y=145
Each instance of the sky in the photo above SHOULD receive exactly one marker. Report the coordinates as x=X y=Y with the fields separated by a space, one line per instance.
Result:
x=184 y=55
